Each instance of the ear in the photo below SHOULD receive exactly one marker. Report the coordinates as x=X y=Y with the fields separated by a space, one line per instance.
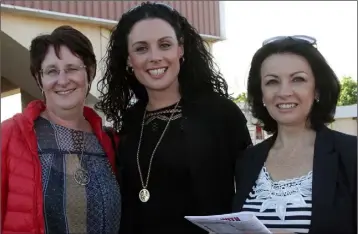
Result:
x=181 y=51
x=316 y=96
x=92 y=74
x=38 y=81
x=129 y=63
x=181 y=47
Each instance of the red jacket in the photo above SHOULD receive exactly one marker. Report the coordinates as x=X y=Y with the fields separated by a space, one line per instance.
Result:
x=21 y=184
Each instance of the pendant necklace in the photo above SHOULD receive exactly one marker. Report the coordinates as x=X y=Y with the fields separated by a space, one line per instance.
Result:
x=81 y=175
x=144 y=194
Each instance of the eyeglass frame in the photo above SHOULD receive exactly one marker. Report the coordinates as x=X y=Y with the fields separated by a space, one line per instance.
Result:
x=302 y=38
x=77 y=67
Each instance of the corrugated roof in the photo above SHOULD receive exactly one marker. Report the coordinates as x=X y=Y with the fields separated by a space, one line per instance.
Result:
x=203 y=15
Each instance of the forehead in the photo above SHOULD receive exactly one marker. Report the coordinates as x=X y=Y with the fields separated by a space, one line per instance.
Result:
x=150 y=30
x=285 y=63
x=65 y=57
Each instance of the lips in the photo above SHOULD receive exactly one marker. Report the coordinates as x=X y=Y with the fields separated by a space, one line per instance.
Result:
x=65 y=92
x=286 y=106
x=157 y=72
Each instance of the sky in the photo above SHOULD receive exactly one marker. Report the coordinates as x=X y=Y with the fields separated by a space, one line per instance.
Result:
x=247 y=24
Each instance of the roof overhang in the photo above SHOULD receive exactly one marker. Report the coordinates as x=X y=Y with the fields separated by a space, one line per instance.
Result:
x=15 y=63
x=105 y=23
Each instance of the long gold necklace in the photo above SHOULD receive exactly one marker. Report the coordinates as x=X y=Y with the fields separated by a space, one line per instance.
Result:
x=144 y=194
x=81 y=175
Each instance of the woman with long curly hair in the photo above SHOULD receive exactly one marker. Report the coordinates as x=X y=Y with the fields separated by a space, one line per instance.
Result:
x=180 y=132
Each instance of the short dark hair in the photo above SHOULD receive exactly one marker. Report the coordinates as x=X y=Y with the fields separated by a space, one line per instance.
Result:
x=67 y=36
x=326 y=83
x=118 y=87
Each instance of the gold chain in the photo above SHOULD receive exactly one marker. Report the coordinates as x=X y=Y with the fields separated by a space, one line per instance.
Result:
x=145 y=185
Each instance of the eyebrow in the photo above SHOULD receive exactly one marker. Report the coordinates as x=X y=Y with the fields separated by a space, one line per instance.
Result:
x=55 y=66
x=144 y=42
x=276 y=76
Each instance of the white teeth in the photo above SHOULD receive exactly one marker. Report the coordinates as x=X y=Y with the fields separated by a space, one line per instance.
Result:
x=287 y=106
x=156 y=72
x=65 y=92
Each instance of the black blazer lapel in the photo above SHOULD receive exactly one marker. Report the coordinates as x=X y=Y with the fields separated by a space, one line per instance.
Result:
x=324 y=184
x=325 y=170
x=248 y=169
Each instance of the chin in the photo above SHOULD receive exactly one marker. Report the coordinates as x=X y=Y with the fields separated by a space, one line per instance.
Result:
x=68 y=106
x=159 y=87
x=288 y=121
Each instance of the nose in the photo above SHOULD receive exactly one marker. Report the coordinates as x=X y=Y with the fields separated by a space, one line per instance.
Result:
x=285 y=89
x=62 y=78
x=155 y=55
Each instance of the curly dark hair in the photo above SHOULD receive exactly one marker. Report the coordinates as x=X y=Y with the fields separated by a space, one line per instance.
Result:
x=326 y=83
x=119 y=89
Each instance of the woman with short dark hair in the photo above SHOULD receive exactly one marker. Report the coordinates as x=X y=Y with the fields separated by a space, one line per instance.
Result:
x=303 y=179
x=57 y=162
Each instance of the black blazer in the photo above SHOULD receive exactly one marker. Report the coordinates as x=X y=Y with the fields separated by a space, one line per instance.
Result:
x=334 y=183
x=215 y=134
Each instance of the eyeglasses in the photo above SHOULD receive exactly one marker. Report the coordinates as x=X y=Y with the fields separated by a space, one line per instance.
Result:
x=302 y=38
x=53 y=73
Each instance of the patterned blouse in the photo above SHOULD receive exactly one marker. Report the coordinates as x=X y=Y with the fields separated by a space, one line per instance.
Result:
x=68 y=206
x=284 y=204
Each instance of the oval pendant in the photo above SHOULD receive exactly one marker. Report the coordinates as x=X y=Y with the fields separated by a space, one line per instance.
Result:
x=144 y=195
x=81 y=177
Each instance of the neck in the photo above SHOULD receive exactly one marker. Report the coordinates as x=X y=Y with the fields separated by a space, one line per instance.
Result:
x=289 y=136
x=161 y=99
x=72 y=119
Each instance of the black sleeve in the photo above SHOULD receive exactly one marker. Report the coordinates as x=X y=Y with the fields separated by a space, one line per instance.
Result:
x=347 y=146
x=240 y=136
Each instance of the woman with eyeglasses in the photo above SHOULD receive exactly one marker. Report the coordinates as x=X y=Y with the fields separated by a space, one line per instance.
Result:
x=303 y=179
x=57 y=162
x=180 y=132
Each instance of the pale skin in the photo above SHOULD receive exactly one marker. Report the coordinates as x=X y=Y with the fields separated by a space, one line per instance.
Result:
x=65 y=109
x=288 y=79
x=152 y=44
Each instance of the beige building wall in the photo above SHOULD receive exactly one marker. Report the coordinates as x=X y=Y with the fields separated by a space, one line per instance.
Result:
x=26 y=98
x=345 y=125
x=24 y=28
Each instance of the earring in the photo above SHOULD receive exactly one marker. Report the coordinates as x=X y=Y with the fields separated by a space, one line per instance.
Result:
x=263 y=104
x=181 y=60
x=316 y=98
x=129 y=70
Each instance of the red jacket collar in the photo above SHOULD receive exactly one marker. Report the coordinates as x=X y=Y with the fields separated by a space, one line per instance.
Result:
x=35 y=108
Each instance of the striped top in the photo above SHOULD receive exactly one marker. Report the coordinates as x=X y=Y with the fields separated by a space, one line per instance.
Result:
x=284 y=204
